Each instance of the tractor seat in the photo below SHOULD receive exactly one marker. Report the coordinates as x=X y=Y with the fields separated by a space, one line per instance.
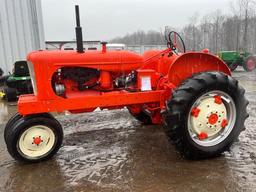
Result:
x=21 y=69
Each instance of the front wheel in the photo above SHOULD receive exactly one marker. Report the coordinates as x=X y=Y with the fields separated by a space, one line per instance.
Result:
x=206 y=115
x=17 y=116
x=33 y=139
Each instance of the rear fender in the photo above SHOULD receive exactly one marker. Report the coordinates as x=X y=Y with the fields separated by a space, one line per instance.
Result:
x=191 y=63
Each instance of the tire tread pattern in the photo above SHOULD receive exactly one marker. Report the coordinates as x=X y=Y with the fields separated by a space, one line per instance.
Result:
x=178 y=107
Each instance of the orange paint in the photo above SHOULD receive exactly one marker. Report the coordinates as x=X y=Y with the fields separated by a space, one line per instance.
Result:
x=213 y=119
x=218 y=99
x=202 y=136
x=37 y=141
x=166 y=71
x=224 y=123
x=195 y=112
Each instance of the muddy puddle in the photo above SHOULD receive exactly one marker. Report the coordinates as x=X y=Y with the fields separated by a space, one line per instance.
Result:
x=110 y=151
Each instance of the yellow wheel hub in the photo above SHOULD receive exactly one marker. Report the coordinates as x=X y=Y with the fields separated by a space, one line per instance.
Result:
x=209 y=118
x=212 y=118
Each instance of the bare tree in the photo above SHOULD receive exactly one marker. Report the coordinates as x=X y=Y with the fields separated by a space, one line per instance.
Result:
x=215 y=31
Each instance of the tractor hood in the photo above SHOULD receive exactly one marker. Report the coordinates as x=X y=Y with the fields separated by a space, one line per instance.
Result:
x=109 y=60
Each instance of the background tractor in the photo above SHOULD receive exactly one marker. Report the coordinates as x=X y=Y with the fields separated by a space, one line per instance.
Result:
x=234 y=59
x=18 y=82
x=202 y=108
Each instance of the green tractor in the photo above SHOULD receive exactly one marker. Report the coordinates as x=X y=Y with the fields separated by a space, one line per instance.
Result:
x=18 y=83
x=234 y=59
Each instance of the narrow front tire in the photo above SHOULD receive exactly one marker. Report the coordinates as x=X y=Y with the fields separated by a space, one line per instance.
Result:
x=34 y=139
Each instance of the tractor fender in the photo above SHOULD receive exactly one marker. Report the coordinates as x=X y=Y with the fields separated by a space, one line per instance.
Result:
x=188 y=64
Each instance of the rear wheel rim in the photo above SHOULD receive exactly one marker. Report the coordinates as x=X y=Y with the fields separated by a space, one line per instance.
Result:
x=212 y=118
x=36 y=141
x=251 y=64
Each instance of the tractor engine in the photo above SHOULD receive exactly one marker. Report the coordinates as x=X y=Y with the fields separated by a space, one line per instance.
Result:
x=79 y=79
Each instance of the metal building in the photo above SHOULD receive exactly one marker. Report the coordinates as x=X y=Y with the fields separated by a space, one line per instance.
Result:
x=21 y=30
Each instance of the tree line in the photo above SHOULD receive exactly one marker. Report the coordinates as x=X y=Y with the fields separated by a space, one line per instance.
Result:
x=216 y=31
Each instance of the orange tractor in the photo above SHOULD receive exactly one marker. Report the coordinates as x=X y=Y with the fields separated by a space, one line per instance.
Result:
x=193 y=95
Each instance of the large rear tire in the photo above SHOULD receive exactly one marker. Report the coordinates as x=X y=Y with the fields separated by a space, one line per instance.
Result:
x=205 y=115
x=34 y=139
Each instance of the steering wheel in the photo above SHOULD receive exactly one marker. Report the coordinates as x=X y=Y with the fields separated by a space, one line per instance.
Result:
x=175 y=42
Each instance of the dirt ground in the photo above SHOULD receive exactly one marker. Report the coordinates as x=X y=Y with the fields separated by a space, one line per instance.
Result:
x=110 y=151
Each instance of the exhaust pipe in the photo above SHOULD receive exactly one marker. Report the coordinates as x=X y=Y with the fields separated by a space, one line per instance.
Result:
x=79 y=34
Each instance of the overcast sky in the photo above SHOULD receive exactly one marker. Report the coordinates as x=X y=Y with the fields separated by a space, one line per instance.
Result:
x=106 y=19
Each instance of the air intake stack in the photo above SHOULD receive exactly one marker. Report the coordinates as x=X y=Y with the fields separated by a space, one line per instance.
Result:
x=79 y=34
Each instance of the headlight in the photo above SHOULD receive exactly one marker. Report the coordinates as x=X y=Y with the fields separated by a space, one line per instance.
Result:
x=32 y=76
